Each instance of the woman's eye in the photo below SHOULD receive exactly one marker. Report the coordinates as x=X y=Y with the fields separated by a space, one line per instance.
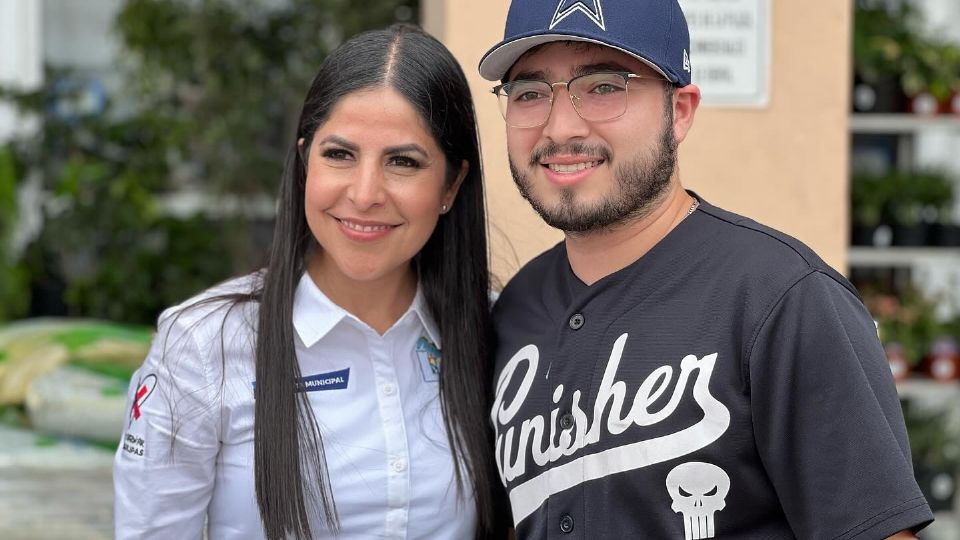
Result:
x=337 y=154
x=404 y=161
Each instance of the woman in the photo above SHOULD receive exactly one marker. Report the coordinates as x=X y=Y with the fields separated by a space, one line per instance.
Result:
x=308 y=399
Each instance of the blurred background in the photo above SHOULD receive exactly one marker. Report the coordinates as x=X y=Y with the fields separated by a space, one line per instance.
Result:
x=141 y=142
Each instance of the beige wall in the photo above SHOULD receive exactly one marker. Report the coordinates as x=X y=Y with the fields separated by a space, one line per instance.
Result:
x=784 y=165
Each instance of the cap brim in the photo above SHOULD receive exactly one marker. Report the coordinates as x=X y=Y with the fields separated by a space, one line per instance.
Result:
x=498 y=60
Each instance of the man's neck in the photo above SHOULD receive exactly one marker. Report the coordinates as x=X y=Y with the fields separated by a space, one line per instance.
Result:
x=596 y=255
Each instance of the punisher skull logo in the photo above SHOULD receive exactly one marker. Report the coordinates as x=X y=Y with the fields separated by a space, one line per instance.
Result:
x=698 y=490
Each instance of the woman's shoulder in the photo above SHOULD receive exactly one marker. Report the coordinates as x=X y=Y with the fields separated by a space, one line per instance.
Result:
x=217 y=306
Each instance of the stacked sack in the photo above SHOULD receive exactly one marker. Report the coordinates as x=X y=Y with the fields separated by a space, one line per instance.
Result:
x=69 y=375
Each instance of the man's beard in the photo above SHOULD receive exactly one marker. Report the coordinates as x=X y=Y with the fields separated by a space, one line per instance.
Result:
x=639 y=186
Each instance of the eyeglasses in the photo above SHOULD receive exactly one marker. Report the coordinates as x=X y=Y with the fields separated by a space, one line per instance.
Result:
x=596 y=97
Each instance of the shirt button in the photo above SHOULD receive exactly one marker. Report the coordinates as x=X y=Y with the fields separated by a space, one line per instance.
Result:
x=576 y=321
x=399 y=465
x=566 y=524
x=566 y=421
x=388 y=389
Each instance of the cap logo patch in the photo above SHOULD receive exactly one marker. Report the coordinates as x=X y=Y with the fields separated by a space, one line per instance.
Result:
x=686 y=61
x=567 y=7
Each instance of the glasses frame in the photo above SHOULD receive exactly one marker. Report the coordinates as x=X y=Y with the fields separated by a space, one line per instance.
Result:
x=498 y=91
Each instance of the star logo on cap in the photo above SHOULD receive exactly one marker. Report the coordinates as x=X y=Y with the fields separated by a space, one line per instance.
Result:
x=568 y=7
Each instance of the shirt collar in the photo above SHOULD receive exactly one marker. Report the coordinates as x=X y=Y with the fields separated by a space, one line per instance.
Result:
x=314 y=314
x=420 y=307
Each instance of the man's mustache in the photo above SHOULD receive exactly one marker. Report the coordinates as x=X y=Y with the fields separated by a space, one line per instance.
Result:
x=551 y=149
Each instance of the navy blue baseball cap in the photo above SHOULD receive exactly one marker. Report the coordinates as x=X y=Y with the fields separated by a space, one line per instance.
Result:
x=653 y=31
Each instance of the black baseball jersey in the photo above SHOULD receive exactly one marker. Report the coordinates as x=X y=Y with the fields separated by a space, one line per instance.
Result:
x=728 y=384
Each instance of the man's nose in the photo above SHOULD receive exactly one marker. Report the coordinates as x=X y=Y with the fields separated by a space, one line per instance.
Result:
x=564 y=122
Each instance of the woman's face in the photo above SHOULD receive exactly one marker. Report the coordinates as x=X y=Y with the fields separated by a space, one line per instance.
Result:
x=376 y=185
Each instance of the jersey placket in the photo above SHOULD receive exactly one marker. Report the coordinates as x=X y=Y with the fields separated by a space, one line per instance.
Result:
x=395 y=437
x=564 y=515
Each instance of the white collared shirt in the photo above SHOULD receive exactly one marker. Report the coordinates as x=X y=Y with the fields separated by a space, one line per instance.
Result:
x=375 y=399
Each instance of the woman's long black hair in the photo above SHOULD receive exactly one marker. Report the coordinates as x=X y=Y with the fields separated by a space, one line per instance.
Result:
x=292 y=484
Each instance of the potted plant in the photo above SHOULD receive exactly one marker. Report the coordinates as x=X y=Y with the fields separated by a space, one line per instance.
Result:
x=931 y=75
x=879 y=29
x=942 y=361
x=906 y=203
x=945 y=231
x=868 y=196
x=916 y=201
x=896 y=66
x=908 y=319
x=935 y=445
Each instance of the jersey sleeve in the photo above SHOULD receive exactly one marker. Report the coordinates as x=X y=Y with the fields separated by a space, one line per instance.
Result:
x=828 y=422
x=164 y=467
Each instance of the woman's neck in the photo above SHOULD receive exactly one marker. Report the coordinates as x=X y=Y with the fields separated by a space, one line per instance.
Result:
x=379 y=303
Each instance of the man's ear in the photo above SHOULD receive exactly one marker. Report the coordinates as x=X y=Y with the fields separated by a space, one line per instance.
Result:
x=685 y=103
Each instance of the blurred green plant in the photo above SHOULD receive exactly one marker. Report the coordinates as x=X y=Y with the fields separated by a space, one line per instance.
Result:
x=881 y=33
x=934 y=438
x=889 y=41
x=13 y=275
x=908 y=319
x=209 y=97
x=905 y=197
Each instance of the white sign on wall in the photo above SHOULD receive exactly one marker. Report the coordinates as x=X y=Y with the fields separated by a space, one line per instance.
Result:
x=730 y=50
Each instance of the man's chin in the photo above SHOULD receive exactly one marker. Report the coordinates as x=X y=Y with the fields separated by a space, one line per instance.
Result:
x=567 y=218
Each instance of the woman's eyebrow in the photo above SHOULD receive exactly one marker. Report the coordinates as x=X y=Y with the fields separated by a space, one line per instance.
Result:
x=403 y=148
x=340 y=141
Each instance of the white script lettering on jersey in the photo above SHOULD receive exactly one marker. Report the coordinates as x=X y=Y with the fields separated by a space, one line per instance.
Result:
x=511 y=456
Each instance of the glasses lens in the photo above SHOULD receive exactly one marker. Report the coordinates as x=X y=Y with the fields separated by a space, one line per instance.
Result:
x=600 y=96
x=525 y=103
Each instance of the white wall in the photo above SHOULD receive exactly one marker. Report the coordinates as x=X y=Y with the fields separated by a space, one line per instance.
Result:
x=21 y=53
x=79 y=34
x=942 y=17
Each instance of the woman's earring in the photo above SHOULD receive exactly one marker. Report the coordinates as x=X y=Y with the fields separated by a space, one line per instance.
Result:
x=443 y=209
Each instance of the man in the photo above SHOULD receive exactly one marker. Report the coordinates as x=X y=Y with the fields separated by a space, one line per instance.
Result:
x=671 y=370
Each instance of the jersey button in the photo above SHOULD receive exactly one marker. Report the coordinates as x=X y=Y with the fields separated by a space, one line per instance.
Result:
x=576 y=322
x=566 y=524
x=566 y=421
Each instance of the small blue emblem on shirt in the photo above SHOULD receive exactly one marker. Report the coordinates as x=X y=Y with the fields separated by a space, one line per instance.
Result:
x=429 y=359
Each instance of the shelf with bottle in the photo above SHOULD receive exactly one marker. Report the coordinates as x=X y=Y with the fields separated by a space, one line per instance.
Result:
x=901 y=63
x=903 y=208
x=902 y=123
x=902 y=256
x=932 y=415
x=920 y=339
x=899 y=67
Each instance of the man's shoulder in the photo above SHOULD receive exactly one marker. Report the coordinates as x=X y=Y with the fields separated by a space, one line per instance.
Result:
x=761 y=248
x=540 y=272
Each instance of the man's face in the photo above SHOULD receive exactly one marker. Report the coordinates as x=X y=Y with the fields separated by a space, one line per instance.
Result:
x=583 y=176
